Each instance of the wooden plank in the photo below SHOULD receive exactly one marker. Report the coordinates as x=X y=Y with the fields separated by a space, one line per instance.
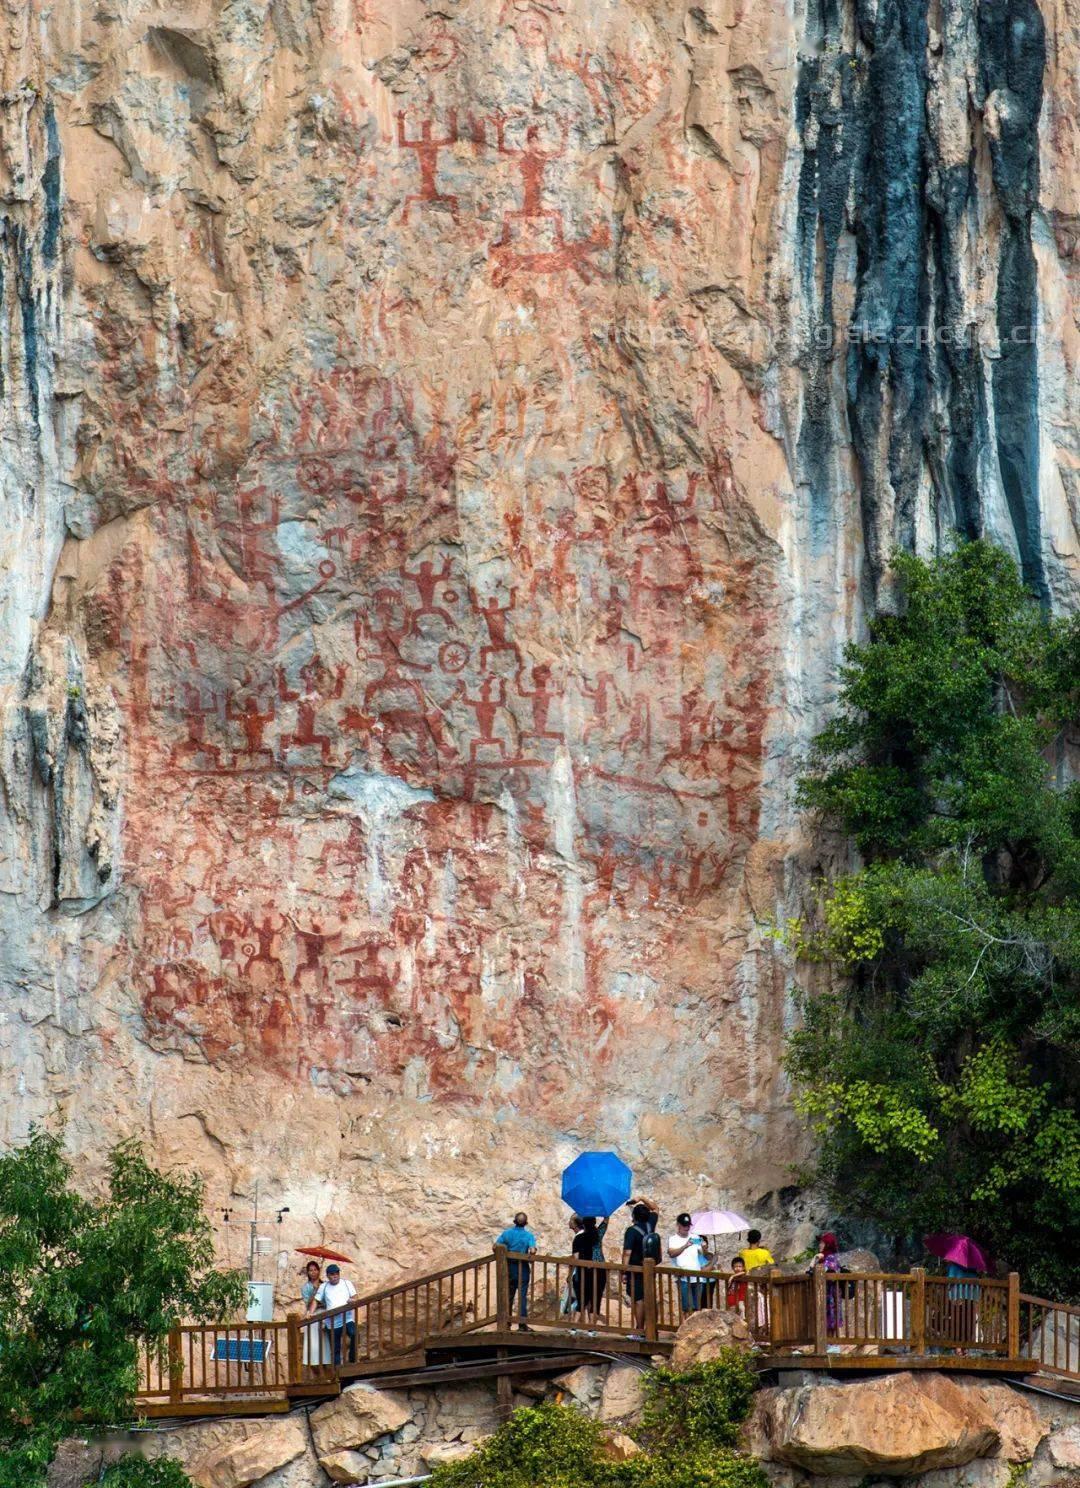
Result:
x=437 y=1374
x=163 y=1410
x=918 y=1311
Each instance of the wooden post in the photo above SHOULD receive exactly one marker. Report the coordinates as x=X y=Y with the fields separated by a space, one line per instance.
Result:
x=502 y=1290
x=1013 y=1350
x=821 y=1315
x=176 y=1363
x=504 y=1390
x=295 y=1350
x=651 y=1331
x=918 y=1310
x=773 y=1308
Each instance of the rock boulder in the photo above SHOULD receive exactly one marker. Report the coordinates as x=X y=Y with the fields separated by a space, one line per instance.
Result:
x=269 y=1446
x=895 y=1425
x=346 y=1467
x=623 y=1393
x=616 y=1446
x=703 y=1336
x=357 y=1417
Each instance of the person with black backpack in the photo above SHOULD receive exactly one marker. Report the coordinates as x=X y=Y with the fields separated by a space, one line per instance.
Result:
x=641 y=1243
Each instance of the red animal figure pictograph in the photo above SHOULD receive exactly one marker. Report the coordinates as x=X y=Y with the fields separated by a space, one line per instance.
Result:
x=533 y=237
x=427 y=149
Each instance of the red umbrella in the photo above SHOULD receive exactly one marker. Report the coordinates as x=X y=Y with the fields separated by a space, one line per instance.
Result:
x=959 y=1249
x=321 y=1252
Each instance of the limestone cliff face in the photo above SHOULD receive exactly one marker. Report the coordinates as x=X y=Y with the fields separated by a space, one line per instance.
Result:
x=444 y=453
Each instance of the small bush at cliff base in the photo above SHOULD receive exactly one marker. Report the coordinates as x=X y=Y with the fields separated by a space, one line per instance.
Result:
x=703 y=1468
x=691 y=1418
x=138 y=1472
x=700 y=1408
x=543 y=1446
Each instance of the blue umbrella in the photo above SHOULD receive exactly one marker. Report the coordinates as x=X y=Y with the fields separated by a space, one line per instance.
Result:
x=596 y=1183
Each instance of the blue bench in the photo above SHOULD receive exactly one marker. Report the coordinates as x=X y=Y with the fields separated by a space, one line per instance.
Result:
x=241 y=1350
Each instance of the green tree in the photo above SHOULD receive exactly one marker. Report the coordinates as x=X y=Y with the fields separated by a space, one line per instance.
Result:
x=943 y=1080
x=86 y=1282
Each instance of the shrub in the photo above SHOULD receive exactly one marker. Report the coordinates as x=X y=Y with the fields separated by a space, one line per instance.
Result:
x=549 y=1445
x=702 y=1407
x=701 y=1468
x=137 y=1472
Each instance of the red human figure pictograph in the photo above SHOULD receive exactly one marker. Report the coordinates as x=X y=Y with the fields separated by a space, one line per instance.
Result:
x=368 y=975
x=427 y=580
x=694 y=721
x=533 y=239
x=254 y=725
x=427 y=149
x=319 y=685
x=486 y=707
x=195 y=716
x=542 y=696
x=602 y=692
x=496 y=618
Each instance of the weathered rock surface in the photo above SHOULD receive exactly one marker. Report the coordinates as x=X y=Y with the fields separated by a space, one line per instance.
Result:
x=445 y=451
x=704 y=1336
x=895 y=1425
x=1064 y=1448
x=358 y=1416
x=623 y=1394
x=616 y=1446
x=346 y=1467
x=1018 y=1424
x=436 y=1454
x=273 y=1445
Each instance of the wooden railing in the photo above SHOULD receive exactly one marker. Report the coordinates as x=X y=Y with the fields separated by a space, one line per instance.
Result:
x=1049 y=1336
x=880 y=1313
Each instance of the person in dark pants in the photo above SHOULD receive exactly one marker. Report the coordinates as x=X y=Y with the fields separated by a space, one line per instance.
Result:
x=520 y=1242
x=336 y=1292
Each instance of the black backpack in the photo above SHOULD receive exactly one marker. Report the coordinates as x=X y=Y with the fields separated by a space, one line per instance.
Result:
x=650 y=1246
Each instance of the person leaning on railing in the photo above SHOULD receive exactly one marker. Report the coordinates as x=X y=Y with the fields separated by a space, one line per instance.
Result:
x=336 y=1292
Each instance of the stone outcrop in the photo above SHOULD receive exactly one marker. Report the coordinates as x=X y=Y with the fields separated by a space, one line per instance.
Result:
x=274 y=1445
x=703 y=1336
x=897 y=1425
x=622 y=1394
x=358 y=1416
x=445 y=453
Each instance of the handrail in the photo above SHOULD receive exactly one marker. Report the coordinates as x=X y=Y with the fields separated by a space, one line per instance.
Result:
x=902 y=1315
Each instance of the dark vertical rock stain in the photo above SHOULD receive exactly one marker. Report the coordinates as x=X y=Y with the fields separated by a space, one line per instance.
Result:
x=1012 y=54
x=50 y=186
x=918 y=387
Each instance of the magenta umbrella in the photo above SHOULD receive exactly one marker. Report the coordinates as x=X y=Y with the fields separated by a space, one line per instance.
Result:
x=961 y=1250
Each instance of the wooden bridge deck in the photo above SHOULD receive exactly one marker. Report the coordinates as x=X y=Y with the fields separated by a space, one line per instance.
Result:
x=457 y=1324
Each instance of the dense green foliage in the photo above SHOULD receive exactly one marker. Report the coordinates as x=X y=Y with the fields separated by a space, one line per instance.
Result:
x=138 y=1472
x=704 y=1405
x=84 y=1280
x=944 y=1082
x=691 y=1422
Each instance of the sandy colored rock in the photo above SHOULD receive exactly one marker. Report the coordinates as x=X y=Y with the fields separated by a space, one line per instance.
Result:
x=437 y=1454
x=439 y=480
x=1018 y=1424
x=616 y=1446
x=358 y=1416
x=895 y=1425
x=1064 y=1448
x=583 y=1383
x=271 y=1445
x=623 y=1393
x=859 y=1260
x=704 y=1336
x=346 y=1467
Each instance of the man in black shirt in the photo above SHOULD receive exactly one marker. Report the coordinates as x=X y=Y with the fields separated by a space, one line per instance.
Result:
x=633 y=1254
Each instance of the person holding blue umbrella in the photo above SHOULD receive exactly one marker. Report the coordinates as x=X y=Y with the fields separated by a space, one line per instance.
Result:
x=596 y=1183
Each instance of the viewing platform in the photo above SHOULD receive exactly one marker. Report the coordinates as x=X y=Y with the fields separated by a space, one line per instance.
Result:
x=457 y=1324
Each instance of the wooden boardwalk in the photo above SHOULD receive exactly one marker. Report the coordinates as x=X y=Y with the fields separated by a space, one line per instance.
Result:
x=457 y=1324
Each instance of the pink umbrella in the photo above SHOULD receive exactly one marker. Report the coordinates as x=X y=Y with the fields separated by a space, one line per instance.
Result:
x=959 y=1249
x=719 y=1222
